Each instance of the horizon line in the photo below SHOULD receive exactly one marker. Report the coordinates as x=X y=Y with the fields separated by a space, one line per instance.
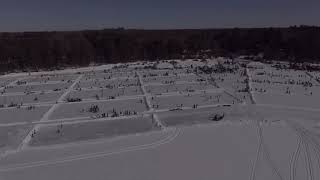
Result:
x=160 y=29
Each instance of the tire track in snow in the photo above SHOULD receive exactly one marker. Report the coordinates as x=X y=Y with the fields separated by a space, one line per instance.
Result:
x=308 y=161
x=255 y=163
x=309 y=164
x=267 y=157
x=317 y=156
x=152 y=145
x=300 y=144
x=294 y=159
x=307 y=140
x=315 y=146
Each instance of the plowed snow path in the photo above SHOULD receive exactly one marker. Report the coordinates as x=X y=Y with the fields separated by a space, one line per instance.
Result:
x=148 y=101
x=45 y=117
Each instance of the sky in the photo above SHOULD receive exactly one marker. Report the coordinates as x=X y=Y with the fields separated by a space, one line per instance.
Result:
x=56 y=15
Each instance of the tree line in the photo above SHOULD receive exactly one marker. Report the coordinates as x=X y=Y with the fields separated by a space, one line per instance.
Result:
x=52 y=50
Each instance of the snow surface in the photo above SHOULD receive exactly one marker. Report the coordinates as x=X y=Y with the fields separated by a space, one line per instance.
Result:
x=164 y=127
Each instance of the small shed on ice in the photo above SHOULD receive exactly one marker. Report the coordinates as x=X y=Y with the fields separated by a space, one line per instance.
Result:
x=256 y=65
x=164 y=65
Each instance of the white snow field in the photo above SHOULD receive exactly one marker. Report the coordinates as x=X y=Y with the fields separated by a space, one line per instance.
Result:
x=194 y=119
x=41 y=97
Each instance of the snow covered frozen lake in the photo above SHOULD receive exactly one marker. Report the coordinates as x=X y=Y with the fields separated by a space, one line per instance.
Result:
x=212 y=119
